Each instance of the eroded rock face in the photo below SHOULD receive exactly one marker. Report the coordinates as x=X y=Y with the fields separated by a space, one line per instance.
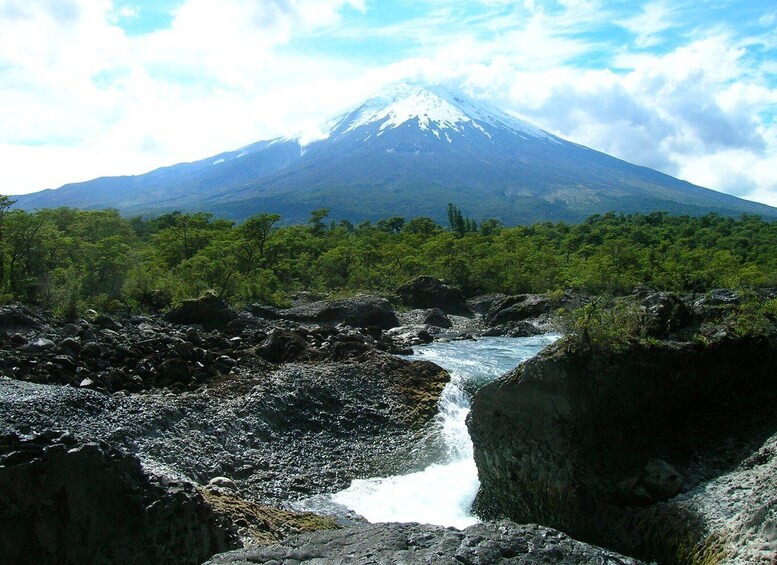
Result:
x=68 y=502
x=429 y=292
x=599 y=444
x=483 y=544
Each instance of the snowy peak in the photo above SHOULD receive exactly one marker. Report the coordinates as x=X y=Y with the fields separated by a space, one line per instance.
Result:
x=438 y=110
x=404 y=104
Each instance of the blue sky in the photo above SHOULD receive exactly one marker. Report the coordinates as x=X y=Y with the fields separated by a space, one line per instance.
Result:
x=102 y=87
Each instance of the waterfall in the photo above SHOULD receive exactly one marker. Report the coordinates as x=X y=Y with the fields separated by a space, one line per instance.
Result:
x=443 y=493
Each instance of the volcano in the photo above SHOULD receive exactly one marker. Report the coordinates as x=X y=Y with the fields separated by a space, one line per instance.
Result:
x=408 y=151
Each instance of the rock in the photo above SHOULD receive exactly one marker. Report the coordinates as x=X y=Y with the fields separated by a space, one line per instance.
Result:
x=598 y=444
x=516 y=309
x=360 y=312
x=513 y=329
x=210 y=311
x=106 y=323
x=408 y=336
x=222 y=482
x=483 y=303
x=91 y=350
x=436 y=317
x=70 y=502
x=173 y=371
x=265 y=311
x=72 y=345
x=661 y=480
x=279 y=432
x=41 y=344
x=481 y=544
x=15 y=317
x=666 y=314
x=717 y=297
x=428 y=292
x=263 y=525
x=283 y=346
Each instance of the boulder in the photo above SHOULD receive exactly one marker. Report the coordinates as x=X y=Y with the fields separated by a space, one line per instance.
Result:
x=513 y=329
x=210 y=311
x=436 y=317
x=15 y=317
x=666 y=313
x=429 y=292
x=360 y=311
x=40 y=345
x=283 y=346
x=598 y=443
x=483 y=303
x=70 y=502
x=107 y=323
x=481 y=544
x=516 y=309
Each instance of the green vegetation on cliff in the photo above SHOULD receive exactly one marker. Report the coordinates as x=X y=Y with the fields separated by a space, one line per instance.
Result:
x=68 y=259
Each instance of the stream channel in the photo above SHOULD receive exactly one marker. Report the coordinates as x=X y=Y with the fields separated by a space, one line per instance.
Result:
x=443 y=493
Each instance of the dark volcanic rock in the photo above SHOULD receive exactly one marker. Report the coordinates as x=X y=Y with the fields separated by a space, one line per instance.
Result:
x=210 y=311
x=15 y=317
x=280 y=433
x=283 y=346
x=428 y=292
x=516 y=309
x=483 y=303
x=666 y=314
x=67 y=502
x=436 y=317
x=481 y=544
x=597 y=443
x=513 y=329
x=360 y=311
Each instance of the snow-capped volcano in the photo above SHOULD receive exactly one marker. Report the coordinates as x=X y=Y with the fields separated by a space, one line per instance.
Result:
x=408 y=151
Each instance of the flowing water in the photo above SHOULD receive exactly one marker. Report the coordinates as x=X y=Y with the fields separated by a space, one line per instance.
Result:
x=443 y=493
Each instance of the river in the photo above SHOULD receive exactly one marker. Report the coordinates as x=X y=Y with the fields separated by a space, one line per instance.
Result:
x=443 y=492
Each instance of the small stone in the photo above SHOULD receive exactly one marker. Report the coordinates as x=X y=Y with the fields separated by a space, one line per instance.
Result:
x=71 y=344
x=222 y=482
x=86 y=383
x=40 y=344
x=91 y=350
x=226 y=361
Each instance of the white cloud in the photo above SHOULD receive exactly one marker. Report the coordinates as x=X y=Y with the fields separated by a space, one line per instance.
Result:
x=80 y=95
x=655 y=18
x=691 y=113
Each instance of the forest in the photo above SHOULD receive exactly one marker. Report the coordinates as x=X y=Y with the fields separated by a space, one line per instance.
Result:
x=68 y=260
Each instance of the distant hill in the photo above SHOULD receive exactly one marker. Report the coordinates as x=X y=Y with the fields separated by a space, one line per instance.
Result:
x=407 y=152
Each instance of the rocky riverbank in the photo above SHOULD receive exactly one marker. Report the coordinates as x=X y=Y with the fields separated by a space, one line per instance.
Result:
x=267 y=411
x=222 y=418
x=482 y=544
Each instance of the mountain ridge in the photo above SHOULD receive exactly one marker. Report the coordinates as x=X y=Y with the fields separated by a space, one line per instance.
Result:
x=407 y=151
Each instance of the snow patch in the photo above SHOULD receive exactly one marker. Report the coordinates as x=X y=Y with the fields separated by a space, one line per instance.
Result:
x=217 y=161
x=432 y=109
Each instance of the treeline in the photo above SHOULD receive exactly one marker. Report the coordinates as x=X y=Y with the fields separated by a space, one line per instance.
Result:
x=67 y=259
